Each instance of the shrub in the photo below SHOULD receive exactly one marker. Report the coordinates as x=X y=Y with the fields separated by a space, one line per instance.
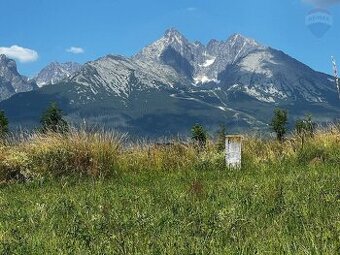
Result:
x=305 y=128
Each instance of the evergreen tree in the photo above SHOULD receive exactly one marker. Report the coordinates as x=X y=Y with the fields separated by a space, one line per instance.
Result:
x=199 y=136
x=221 y=134
x=279 y=123
x=52 y=120
x=3 y=124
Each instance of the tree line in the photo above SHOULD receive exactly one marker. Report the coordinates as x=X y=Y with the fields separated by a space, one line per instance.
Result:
x=304 y=128
x=52 y=121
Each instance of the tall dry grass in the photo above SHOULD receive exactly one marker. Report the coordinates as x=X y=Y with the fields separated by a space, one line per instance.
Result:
x=101 y=154
x=78 y=152
x=323 y=147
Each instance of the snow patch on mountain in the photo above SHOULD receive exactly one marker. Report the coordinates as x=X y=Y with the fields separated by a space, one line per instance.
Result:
x=272 y=90
x=204 y=79
x=251 y=91
x=208 y=62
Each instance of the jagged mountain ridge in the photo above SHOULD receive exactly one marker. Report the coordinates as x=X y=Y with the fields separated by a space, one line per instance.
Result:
x=56 y=72
x=171 y=61
x=204 y=62
x=11 y=82
x=118 y=75
x=174 y=62
x=272 y=76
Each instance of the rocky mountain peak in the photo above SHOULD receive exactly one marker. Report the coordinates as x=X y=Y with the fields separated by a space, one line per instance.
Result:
x=8 y=67
x=171 y=39
x=238 y=39
x=199 y=62
x=56 y=72
x=11 y=81
x=172 y=32
x=173 y=36
x=7 y=63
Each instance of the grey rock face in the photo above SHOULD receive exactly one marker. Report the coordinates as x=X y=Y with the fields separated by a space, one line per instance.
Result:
x=119 y=75
x=265 y=74
x=198 y=62
x=271 y=76
x=56 y=72
x=11 y=82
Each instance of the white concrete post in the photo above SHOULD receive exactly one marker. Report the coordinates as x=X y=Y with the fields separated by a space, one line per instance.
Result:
x=233 y=146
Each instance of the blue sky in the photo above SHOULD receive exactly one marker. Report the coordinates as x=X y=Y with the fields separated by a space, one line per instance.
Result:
x=95 y=28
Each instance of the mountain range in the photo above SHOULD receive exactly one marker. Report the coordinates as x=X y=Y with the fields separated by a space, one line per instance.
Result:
x=170 y=85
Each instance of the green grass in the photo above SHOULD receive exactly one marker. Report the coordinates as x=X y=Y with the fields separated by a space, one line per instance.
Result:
x=268 y=210
x=88 y=194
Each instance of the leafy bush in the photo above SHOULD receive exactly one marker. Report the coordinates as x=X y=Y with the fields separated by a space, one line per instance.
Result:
x=305 y=127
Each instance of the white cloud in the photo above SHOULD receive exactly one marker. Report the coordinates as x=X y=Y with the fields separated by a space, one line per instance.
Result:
x=24 y=55
x=322 y=3
x=75 y=50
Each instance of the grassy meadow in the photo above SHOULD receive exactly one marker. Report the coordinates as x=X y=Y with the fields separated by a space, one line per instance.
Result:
x=85 y=193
